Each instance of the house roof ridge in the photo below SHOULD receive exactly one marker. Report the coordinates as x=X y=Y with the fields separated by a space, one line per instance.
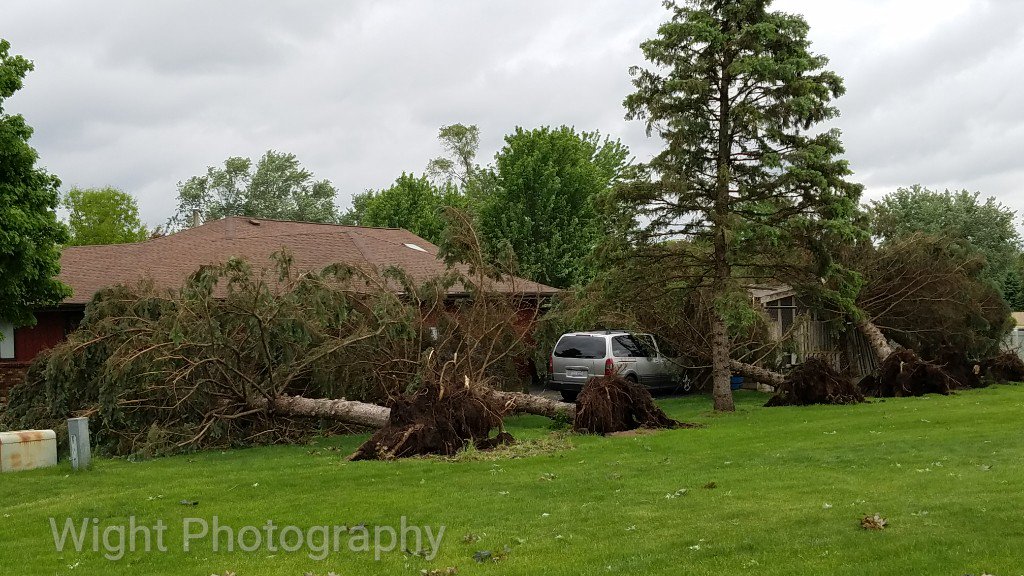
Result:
x=170 y=259
x=333 y=224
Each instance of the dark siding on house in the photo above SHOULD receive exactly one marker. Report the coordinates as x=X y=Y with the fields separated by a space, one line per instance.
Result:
x=51 y=328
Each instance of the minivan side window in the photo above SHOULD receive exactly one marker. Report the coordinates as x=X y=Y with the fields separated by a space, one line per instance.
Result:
x=630 y=347
x=649 y=347
x=580 y=347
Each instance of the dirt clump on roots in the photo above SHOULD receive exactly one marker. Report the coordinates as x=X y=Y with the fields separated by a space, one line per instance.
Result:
x=614 y=404
x=903 y=373
x=1006 y=367
x=965 y=373
x=435 y=420
x=816 y=382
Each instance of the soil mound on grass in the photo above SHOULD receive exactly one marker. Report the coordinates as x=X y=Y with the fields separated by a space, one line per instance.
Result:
x=434 y=420
x=615 y=404
x=1006 y=367
x=903 y=373
x=816 y=382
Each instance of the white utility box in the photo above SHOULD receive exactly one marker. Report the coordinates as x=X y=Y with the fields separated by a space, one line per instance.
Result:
x=27 y=449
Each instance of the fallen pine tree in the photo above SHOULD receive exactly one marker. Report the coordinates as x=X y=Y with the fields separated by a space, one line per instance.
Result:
x=376 y=416
x=615 y=404
x=239 y=356
x=1005 y=367
x=903 y=373
x=815 y=381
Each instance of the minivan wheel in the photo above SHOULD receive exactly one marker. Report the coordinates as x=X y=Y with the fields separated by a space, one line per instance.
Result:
x=569 y=395
x=632 y=378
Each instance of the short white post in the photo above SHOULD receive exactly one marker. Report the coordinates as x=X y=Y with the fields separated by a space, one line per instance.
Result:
x=78 y=434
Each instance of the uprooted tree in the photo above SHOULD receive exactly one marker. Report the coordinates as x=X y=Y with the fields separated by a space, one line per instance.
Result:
x=240 y=356
x=928 y=295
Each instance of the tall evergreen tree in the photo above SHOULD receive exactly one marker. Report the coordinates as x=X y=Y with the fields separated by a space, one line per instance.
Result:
x=734 y=91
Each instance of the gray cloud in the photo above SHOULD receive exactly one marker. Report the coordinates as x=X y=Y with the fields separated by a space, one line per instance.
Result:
x=142 y=95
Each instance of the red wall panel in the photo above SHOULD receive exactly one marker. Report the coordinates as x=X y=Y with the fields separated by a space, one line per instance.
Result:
x=51 y=328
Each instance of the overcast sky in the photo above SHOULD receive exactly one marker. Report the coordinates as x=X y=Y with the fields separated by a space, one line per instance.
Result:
x=142 y=95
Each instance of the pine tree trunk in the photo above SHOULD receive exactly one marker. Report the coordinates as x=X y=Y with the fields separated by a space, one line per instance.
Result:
x=349 y=411
x=757 y=373
x=374 y=416
x=878 y=342
x=518 y=402
x=721 y=388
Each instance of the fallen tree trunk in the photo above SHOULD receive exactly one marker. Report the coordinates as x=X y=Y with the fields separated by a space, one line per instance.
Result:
x=374 y=416
x=519 y=402
x=878 y=342
x=757 y=373
x=349 y=411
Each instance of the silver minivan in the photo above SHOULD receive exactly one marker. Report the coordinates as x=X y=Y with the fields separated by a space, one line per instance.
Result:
x=580 y=356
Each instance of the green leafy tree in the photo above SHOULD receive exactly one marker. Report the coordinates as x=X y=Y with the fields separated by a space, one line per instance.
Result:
x=411 y=203
x=30 y=233
x=987 y=227
x=734 y=91
x=277 y=187
x=103 y=216
x=543 y=206
x=460 y=143
x=458 y=166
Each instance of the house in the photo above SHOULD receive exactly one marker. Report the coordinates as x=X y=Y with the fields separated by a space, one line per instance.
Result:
x=169 y=260
x=814 y=334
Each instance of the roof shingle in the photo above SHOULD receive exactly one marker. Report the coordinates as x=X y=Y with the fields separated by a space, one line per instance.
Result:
x=169 y=260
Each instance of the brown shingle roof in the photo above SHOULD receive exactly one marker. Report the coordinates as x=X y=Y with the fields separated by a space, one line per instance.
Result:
x=169 y=260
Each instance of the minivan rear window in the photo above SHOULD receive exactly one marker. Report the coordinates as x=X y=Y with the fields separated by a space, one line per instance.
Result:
x=580 y=347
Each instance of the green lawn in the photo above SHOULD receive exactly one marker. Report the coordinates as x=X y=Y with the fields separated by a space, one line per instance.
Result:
x=790 y=487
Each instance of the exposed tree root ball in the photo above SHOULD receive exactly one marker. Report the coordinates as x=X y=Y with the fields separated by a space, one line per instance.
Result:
x=816 y=382
x=434 y=420
x=614 y=404
x=1006 y=367
x=964 y=372
x=869 y=385
x=904 y=374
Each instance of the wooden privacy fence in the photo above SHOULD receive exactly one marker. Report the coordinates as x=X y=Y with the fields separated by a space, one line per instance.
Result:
x=848 y=352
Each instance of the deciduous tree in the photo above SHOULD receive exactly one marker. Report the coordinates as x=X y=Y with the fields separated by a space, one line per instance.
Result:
x=30 y=233
x=276 y=187
x=103 y=216
x=411 y=203
x=543 y=208
x=458 y=165
x=987 y=227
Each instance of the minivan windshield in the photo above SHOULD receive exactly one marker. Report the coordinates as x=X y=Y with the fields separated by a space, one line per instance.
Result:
x=580 y=347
